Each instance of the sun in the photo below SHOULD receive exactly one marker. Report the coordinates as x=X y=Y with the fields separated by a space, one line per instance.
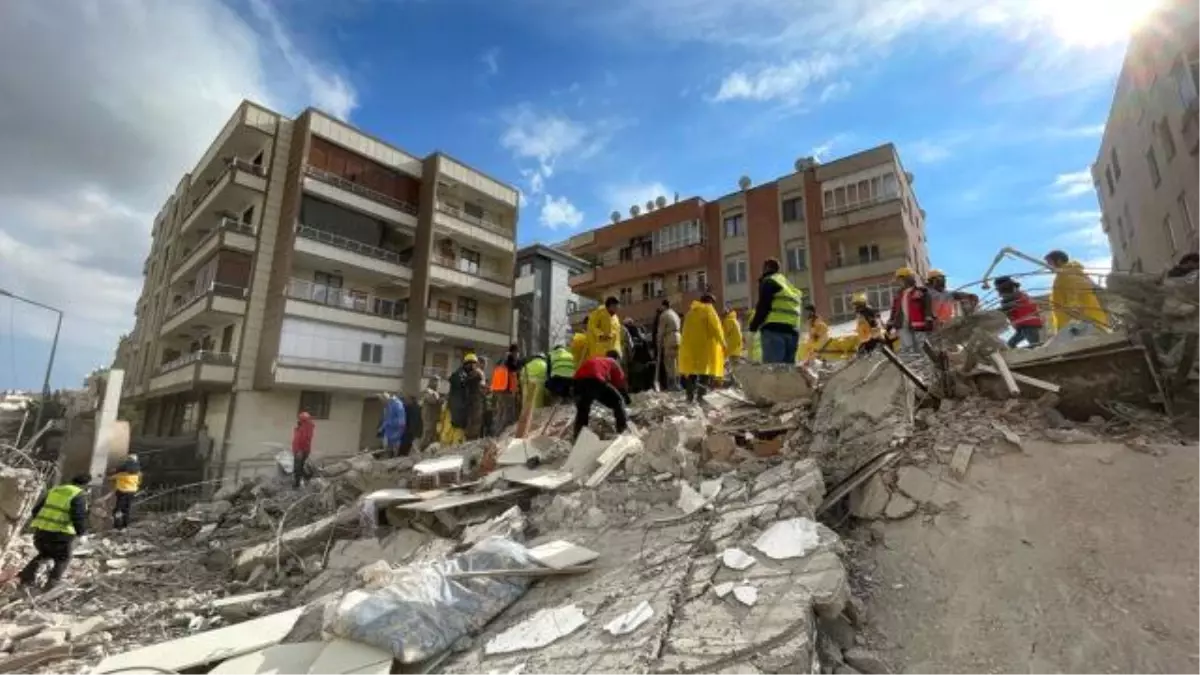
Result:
x=1094 y=23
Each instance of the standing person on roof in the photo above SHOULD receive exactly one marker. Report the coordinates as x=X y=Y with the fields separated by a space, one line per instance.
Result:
x=505 y=384
x=702 y=348
x=1074 y=296
x=465 y=401
x=393 y=424
x=60 y=516
x=302 y=438
x=604 y=329
x=600 y=379
x=126 y=482
x=777 y=315
x=912 y=312
x=579 y=343
x=666 y=338
x=1023 y=313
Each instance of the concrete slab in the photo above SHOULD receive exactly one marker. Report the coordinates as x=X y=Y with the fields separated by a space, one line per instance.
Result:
x=348 y=656
x=289 y=658
x=561 y=554
x=587 y=449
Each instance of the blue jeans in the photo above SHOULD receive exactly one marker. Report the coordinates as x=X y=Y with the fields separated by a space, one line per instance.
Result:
x=1030 y=334
x=778 y=346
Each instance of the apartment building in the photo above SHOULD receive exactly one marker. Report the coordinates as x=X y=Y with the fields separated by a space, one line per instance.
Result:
x=1146 y=173
x=543 y=301
x=838 y=228
x=306 y=265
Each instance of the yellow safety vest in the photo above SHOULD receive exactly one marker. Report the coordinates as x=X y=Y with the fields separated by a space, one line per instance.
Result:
x=785 y=306
x=535 y=369
x=562 y=363
x=127 y=482
x=55 y=514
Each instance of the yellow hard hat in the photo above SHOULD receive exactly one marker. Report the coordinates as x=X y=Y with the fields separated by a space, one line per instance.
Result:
x=470 y=357
x=859 y=299
x=904 y=272
x=934 y=273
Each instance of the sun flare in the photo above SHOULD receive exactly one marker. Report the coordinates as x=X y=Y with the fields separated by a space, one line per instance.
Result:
x=1093 y=23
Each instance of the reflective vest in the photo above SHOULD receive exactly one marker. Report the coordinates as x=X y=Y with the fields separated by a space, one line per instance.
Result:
x=55 y=514
x=127 y=482
x=785 y=305
x=944 y=307
x=909 y=304
x=502 y=379
x=562 y=363
x=535 y=369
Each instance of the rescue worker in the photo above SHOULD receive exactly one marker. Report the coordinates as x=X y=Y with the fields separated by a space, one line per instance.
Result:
x=912 y=312
x=505 y=384
x=533 y=380
x=867 y=325
x=465 y=402
x=776 y=315
x=562 y=373
x=579 y=344
x=393 y=424
x=302 y=438
x=431 y=410
x=948 y=304
x=666 y=341
x=1023 y=313
x=818 y=333
x=604 y=329
x=1074 y=296
x=600 y=380
x=59 y=517
x=127 y=480
x=732 y=328
x=702 y=348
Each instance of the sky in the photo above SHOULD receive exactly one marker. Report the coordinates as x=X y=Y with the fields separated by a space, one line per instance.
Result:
x=996 y=106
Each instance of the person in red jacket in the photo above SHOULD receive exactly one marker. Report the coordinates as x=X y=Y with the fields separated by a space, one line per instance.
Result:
x=912 y=312
x=1023 y=313
x=302 y=438
x=601 y=379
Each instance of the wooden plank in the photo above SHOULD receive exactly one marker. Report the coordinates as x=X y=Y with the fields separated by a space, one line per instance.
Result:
x=454 y=501
x=1022 y=378
x=961 y=460
x=560 y=554
x=1005 y=373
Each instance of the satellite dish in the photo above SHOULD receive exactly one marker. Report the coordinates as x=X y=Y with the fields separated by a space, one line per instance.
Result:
x=635 y=211
x=649 y=205
x=909 y=175
x=806 y=163
x=744 y=182
x=616 y=216
x=661 y=201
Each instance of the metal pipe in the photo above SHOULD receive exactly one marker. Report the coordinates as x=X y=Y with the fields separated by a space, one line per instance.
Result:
x=53 y=349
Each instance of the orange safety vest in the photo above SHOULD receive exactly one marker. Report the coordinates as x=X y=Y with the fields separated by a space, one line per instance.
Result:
x=503 y=379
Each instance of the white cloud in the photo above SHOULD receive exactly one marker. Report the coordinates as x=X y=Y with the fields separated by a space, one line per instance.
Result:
x=1089 y=217
x=99 y=128
x=621 y=197
x=559 y=212
x=549 y=138
x=787 y=82
x=834 y=91
x=927 y=151
x=821 y=152
x=1083 y=131
x=491 y=61
x=1073 y=184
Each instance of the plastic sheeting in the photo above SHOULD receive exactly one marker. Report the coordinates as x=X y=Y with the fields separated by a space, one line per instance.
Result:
x=422 y=612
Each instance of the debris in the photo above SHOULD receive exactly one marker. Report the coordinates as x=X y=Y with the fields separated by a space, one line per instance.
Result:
x=865 y=661
x=737 y=559
x=1069 y=436
x=746 y=594
x=562 y=554
x=723 y=589
x=587 y=449
x=625 y=444
x=689 y=500
x=869 y=500
x=539 y=630
x=631 y=620
x=719 y=447
x=1005 y=373
x=899 y=507
x=769 y=447
x=540 y=479
x=915 y=483
x=1008 y=435
x=1022 y=378
x=511 y=525
x=452 y=501
x=767 y=384
x=793 y=538
x=51 y=637
x=961 y=460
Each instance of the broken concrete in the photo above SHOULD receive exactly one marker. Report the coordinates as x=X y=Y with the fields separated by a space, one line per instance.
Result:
x=297 y=541
x=767 y=384
x=19 y=489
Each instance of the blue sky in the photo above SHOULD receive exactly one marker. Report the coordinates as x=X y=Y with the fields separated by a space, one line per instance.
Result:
x=587 y=107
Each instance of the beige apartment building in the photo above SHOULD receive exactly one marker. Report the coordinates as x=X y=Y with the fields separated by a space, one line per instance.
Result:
x=305 y=265
x=838 y=228
x=1146 y=173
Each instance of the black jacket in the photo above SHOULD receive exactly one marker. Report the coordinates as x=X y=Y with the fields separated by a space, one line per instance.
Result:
x=766 y=295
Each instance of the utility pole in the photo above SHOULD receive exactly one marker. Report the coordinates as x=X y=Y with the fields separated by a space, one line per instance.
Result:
x=37 y=425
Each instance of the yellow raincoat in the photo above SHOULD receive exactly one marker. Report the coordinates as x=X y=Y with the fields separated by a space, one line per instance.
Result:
x=1073 y=298
x=702 y=345
x=818 y=333
x=603 y=333
x=732 y=328
x=579 y=348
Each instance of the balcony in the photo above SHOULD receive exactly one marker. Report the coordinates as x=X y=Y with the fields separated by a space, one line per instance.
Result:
x=339 y=190
x=200 y=308
x=326 y=375
x=481 y=277
x=861 y=212
x=316 y=248
x=638 y=269
x=466 y=329
x=841 y=272
x=246 y=133
x=198 y=370
x=454 y=221
x=240 y=185
x=228 y=234
x=342 y=306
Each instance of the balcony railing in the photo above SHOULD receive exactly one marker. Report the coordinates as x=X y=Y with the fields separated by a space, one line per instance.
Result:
x=225 y=225
x=201 y=356
x=463 y=319
x=215 y=288
x=835 y=264
x=861 y=204
x=341 y=298
x=230 y=165
x=344 y=366
x=352 y=245
x=480 y=269
x=360 y=190
x=484 y=222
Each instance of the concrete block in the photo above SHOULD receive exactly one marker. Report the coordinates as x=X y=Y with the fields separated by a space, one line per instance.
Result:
x=767 y=384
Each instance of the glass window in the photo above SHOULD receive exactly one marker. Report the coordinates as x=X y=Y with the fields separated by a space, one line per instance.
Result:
x=316 y=403
x=839 y=197
x=796 y=259
x=852 y=194
x=683 y=282
x=702 y=280
x=468 y=310
x=828 y=200
x=793 y=209
x=468 y=261
x=890 y=187
x=868 y=253
x=877 y=186
x=864 y=191
x=733 y=226
x=735 y=271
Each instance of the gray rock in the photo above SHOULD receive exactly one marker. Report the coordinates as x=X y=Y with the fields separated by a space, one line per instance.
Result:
x=865 y=661
x=915 y=483
x=856 y=610
x=44 y=640
x=839 y=630
x=845 y=670
x=829 y=653
x=899 y=506
x=868 y=500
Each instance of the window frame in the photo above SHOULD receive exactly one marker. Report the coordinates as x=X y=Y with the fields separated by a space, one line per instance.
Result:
x=796 y=206
x=324 y=403
x=737 y=221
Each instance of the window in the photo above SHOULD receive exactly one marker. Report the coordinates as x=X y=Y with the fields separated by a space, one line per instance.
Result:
x=527 y=269
x=440 y=361
x=1185 y=82
x=1152 y=161
x=625 y=254
x=733 y=226
x=1169 y=233
x=572 y=307
x=1164 y=135
x=890 y=187
x=1108 y=177
x=684 y=282
x=735 y=271
x=248 y=216
x=677 y=235
x=316 y=403
x=1116 y=166
x=371 y=353
x=227 y=339
x=258 y=159
x=468 y=261
x=793 y=209
x=870 y=253
x=796 y=258
x=626 y=296
x=702 y=280
x=1186 y=212
x=468 y=309
x=647 y=290
x=839 y=198
x=473 y=210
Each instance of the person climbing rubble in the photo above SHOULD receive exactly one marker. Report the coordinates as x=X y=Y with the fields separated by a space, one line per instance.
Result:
x=912 y=312
x=948 y=304
x=534 y=373
x=431 y=410
x=127 y=480
x=302 y=438
x=702 y=348
x=666 y=340
x=562 y=373
x=818 y=334
x=465 y=402
x=1023 y=314
x=393 y=424
x=601 y=380
x=732 y=328
x=60 y=517
x=867 y=326
x=1074 y=297
x=777 y=315
x=604 y=329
